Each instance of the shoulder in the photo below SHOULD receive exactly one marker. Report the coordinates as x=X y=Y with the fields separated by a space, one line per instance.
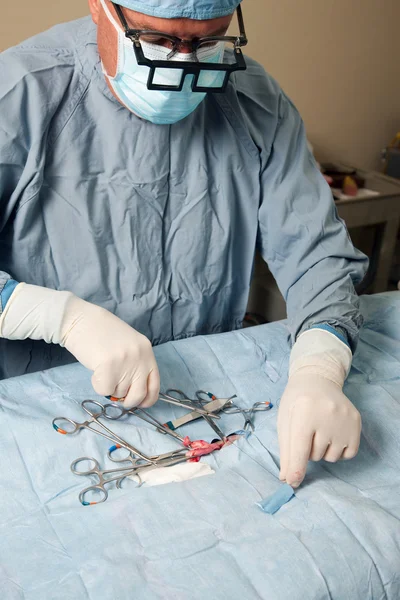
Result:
x=42 y=74
x=257 y=88
x=262 y=102
x=43 y=64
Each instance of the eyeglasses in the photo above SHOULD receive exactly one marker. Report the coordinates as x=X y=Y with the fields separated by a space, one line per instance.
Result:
x=208 y=75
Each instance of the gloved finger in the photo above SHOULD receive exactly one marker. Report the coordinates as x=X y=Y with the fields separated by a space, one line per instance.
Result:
x=319 y=447
x=104 y=381
x=334 y=453
x=300 y=450
x=122 y=389
x=284 y=443
x=351 y=451
x=137 y=392
x=153 y=388
x=353 y=446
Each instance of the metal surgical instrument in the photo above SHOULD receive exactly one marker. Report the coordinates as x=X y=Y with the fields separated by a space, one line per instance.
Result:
x=117 y=475
x=198 y=403
x=115 y=411
x=248 y=413
x=110 y=435
x=189 y=404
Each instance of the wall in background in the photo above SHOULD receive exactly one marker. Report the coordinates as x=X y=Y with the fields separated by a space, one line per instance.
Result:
x=337 y=60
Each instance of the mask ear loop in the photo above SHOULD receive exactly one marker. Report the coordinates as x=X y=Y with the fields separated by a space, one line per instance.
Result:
x=110 y=16
x=121 y=39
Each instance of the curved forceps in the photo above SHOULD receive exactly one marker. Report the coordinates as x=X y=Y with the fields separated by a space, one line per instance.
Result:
x=158 y=460
x=95 y=469
x=248 y=413
x=110 y=435
x=116 y=411
x=166 y=460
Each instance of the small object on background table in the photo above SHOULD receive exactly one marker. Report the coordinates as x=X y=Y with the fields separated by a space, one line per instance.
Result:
x=273 y=503
x=391 y=158
x=328 y=179
x=336 y=175
x=362 y=193
x=350 y=187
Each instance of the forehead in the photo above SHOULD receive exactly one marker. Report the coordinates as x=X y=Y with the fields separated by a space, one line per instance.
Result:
x=183 y=28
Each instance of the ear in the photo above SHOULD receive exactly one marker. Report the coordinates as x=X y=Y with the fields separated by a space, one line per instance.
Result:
x=94 y=7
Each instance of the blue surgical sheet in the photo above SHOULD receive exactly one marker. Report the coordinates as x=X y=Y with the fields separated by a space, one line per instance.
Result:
x=338 y=538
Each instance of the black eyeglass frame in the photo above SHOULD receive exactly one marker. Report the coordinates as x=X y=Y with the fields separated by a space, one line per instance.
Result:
x=187 y=68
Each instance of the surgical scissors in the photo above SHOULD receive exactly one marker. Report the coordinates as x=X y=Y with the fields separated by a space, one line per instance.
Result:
x=110 y=435
x=179 y=395
x=118 y=475
x=248 y=413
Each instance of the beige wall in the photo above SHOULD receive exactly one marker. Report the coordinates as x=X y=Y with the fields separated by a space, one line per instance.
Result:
x=337 y=59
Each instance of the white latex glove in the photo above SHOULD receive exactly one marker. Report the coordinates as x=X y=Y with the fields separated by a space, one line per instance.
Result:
x=122 y=360
x=316 y=421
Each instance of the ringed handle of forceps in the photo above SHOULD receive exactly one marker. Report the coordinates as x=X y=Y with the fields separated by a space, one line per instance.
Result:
x=86 y=425
x=114 y=399
x=135 y=462
x=116 y=437
x=60 y=429
x=96 y=469
x=101 y=488
x=89 y=412
x=211 y=396
x=113 y=437
x=261 y=406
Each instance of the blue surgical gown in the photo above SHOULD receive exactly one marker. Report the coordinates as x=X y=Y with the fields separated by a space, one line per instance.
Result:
x=159 y=224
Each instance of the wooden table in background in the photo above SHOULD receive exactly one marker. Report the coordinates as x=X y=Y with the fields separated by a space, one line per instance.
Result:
x=381 y=211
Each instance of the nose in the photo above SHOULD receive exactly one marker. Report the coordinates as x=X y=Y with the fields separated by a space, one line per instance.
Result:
x=185 y=47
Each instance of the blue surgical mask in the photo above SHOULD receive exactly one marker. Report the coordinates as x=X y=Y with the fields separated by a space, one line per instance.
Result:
x=161 y=107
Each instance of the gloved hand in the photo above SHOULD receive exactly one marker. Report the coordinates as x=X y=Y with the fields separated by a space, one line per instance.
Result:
x=121 y=359
x=316 y=421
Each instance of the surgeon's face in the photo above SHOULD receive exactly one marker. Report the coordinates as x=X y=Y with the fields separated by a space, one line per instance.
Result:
x=186 y=29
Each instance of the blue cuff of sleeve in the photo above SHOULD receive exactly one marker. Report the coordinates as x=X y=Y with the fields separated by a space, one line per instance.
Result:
x=7 y=291
x=332 y=330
